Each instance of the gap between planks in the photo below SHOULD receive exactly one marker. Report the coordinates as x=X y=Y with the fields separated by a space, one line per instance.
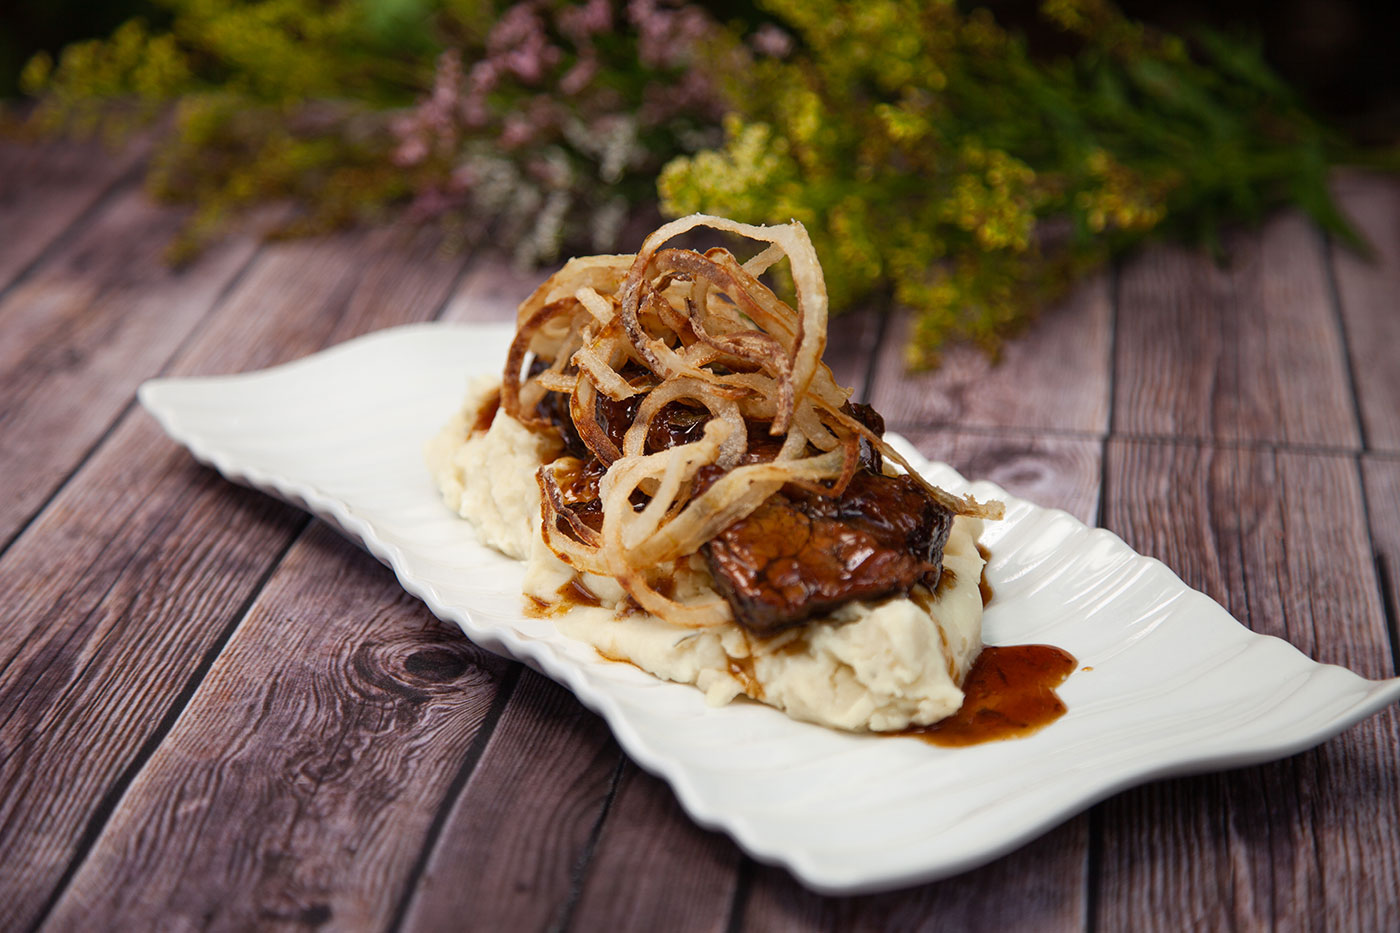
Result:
x=113 y=797
x=129 y=167
x=459 y=781
x=191 y=338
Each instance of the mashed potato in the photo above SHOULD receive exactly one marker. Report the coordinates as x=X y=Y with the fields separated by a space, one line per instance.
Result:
x=869 y=666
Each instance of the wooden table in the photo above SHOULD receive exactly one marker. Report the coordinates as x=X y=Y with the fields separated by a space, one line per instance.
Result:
x=215 y=712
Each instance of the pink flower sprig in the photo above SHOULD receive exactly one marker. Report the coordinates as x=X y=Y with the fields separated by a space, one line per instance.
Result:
x=543 y=91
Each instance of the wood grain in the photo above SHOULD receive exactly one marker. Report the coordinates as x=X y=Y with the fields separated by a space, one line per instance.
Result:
x=1369 y=294
x=491 y=290
x=1053 y=377
x=1251 y=351
x=84 y=330
x=172 y=758
x=109 y=571
x=305 y=295
x=1052 y=471
x=1279 y=538
x=116 y=593
x=1039 y=887
x=520 y=832
x=45 y=188
x=654 y=869
x=853 y=341
x=300 y=783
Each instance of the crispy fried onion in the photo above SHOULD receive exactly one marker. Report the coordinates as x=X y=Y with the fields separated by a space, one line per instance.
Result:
x=681 y=328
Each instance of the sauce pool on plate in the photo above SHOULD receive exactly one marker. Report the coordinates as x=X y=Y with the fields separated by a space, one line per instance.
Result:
x=1008 y=694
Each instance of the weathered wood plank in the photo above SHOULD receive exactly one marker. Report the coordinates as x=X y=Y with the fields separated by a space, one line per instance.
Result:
x=853 y=342
x=1053 y=471
x=106 y=589
x=1250 y=352
x=46 y=187
x=1039 y=887
x=1055 y=376
x=653 y=868
x=491 y=290
x=79 y=335
x=1279 y=538
x=1370 y=303
x=305 y=295
x=518 y=834
x=113 y=597
x=300 y=783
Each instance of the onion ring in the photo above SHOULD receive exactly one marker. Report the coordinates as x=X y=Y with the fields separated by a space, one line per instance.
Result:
x=675 y=326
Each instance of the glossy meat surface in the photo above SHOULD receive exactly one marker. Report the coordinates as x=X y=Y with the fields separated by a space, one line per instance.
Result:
x=800 y=554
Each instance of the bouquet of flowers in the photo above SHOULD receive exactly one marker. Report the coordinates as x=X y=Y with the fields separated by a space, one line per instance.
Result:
x=939 y=160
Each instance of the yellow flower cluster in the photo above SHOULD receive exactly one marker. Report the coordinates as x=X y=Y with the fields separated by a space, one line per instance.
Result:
x=933 y=158
x=995 y=199
x=927 y=151
x=131 y=64
x=738 y=180
x=1122 y=198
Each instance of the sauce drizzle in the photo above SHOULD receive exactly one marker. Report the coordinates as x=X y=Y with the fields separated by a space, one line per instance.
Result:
x=575 y=593
x=1008 y=694
x=571 y=594
x=487 y=413
x=982 y=584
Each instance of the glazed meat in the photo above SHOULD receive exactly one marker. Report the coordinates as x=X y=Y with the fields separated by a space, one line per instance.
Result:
x=675 y=424
x=800 y=554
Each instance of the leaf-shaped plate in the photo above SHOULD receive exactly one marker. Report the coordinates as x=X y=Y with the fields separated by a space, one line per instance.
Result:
x=1170 y=683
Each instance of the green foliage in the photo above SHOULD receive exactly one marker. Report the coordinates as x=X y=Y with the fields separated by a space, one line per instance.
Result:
x=934 y=158
x=225 y=156
x=931 y=155
x=133 y=66
x=273 y=100
x=546 y=121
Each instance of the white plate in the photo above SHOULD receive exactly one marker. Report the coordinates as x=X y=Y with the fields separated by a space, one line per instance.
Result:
x=1176 y=686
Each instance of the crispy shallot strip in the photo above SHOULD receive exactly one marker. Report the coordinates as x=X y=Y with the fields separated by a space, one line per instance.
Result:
x=700 y=331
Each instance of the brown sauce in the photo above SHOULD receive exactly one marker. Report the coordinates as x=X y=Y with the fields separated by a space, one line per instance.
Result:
x=946 y=581
x=982 y=584
x=616 y=659
x=571 y=594
x=1008 y=694
x=742 y=671
x=487 y=413
x=575 y=593
x=666 y=586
